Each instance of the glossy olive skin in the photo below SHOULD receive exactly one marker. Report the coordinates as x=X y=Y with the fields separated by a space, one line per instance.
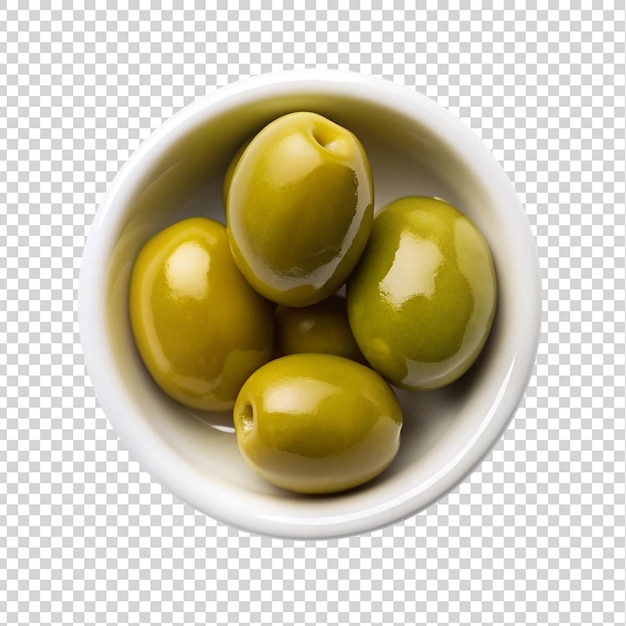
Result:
x=317 y=423
x=422 y=301
x=322 y=327
x=228 y=175
x=299 y=208
x=201 y=330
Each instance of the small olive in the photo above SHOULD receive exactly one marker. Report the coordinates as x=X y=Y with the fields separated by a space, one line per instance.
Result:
x=321 y=327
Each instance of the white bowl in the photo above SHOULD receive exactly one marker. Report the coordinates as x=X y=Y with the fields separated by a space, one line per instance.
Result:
x=415 y=147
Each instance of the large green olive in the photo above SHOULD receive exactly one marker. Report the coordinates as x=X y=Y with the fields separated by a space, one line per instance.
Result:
x=201 y=330
x=299 y=208
x=317 y=423
x=422 y=301
x=321 y=327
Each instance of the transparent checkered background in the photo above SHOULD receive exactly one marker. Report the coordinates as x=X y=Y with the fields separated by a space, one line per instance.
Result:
x=535 y=536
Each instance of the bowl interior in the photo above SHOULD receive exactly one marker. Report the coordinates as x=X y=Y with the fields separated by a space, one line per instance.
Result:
x=179 y=174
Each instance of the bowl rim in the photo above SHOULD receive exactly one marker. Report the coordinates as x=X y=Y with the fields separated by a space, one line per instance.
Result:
x=149 y=449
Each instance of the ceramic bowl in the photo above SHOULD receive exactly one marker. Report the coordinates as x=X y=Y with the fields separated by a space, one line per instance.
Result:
x=416 y=147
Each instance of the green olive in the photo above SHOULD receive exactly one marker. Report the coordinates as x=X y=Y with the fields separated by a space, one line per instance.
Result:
x=317 y=423
x=321 y=327
x=201 y=330
x=300 y=208
x=422 y=301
